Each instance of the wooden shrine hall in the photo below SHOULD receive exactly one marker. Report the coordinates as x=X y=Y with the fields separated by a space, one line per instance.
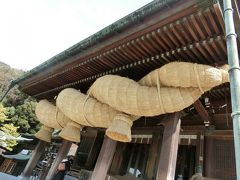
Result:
x=197 y=141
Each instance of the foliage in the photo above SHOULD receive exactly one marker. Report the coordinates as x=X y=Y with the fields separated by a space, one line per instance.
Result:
x=19 y=106
x=3 y=113
x=15 y=98
x=9 y=131
x=17 y=111
x=24 y=117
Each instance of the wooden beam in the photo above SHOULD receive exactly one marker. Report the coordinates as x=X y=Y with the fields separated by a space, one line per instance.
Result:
x=169 y=147
x=202 y=112
x=104 y=159
x=37 y=153
x=62 y=153
x=216 y=118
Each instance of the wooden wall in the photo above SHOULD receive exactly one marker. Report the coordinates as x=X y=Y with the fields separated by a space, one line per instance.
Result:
x=220 y=157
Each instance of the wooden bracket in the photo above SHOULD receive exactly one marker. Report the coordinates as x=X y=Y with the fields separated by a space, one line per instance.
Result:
x=202 y=112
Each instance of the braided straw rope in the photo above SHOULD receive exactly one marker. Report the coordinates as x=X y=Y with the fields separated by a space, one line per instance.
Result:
x=114 y=101
x=52 y=117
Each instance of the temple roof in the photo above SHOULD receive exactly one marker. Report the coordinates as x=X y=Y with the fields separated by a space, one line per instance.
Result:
x=158 y=33
x=21 y=156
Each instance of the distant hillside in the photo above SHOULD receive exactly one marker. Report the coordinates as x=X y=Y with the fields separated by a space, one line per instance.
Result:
x=6 y=75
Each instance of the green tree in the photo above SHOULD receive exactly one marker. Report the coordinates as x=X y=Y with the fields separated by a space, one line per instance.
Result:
x=7 y=136
x=15 y=98
x=16 y=110
x=8 y=132
x=23 y=116
x=21 y=111
x=3 y=113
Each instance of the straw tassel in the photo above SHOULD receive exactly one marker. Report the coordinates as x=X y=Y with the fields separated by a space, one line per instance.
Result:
x=44 y=134
x=71 y=132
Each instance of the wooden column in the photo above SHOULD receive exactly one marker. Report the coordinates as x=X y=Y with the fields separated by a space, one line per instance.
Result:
x=104 y=159
x=39 y=150
x=46 y=169
x=118 y=158
x=168 y=156
x=209 y=157
x=62 y=153
x=153 y=155
x=199 y=153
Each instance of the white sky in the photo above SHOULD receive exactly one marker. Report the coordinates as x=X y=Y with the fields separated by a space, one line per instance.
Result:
x=32 y=31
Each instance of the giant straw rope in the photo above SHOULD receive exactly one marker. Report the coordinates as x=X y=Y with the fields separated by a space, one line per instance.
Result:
x=114 y=102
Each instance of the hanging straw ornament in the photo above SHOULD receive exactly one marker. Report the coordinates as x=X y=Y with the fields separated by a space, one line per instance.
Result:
x=114 y=102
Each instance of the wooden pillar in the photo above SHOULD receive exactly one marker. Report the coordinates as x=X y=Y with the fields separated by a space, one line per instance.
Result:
x=199 y=153
x=168 y=156
x=209 y=157
x=115 y=167
x=37 y=153
x=62 y=153
x=153 y=155
x=104 y=159
x=45 y=169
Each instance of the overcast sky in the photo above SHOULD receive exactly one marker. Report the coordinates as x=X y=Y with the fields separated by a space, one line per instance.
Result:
x=32 y=31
